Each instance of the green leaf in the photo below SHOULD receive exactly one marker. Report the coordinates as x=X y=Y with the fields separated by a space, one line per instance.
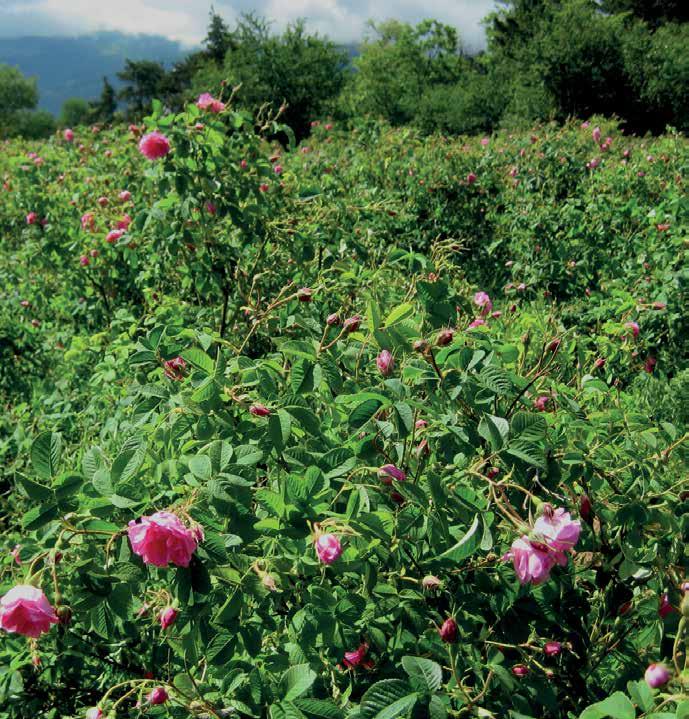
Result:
x=387 y=699
x=466 y=546
x=398 y=314
x=200 y=466
x=199 y=359
x=297 y=680
x=34 y=490
x=45 y=454
x=616 y=706
x=279 y=428
x=363 y=412
x=494 y=430
x=425 y=675
x=320 y=708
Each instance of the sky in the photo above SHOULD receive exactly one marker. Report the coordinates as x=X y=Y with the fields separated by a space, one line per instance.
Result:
x=186 y=20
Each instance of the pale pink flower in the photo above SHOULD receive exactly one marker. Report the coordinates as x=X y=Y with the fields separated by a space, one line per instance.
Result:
x=68 y=134
x=206 y=101
x=557 y=529
x=385 y=363
x=26 y=610
x=482 y=300
x=167 y=617
x=532 y=562
x=162 y=539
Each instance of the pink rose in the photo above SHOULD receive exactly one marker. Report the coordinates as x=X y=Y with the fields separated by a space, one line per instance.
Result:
x=596 y=134
x=385 y=363
x=351 y=324
x=154 y=145
x=206 y=101
x=541 y=403
x=103 y=201
x=26 y=610
x=482 y=300
x=84 y=261
x=68 y=135
x=88 y=221
x=125 y=195
x=557 y=529
x=31 y=218
x=532 y=563
x=328 y=548
x=471 y=178
x=167 y=617
x=162 y=539
x=114 y=235
x=478 y=322
x=123 y=224
x=552 y=649
x=174 y=368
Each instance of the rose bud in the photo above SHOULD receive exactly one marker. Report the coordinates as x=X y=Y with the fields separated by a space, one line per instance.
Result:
x=385 y=363
x=585 y=507
x=64 y=614
x=656 y=675
x=519 y=670
x=554 y=345
x=158 y=696
x=449 y=631
x=420 y=346
x=492 y=472
x=552 y=649
x=445 y=337
x=304 y=294
x=259 y=410
x=167 y=617
x=351 y=324
x=333 y=320
x=430 y=582
x=599 y=363
x=420 y=424
x=94 y=713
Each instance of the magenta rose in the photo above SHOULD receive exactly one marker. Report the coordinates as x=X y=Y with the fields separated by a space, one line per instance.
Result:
x=162 y=539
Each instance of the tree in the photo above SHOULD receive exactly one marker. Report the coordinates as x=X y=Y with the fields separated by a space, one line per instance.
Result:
x=399 y=63
x=142 y=83
x=654 y=12
x=16 y=91
x=218 y=40
x=75 y=111
x=104 y=108
x=303 y=71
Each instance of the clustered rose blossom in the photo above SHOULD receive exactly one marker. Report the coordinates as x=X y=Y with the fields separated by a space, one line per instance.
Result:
x=328 y=548
x=554 y=534
x=206 y=101
x=162 y=539
x=26 y=610
x=385 y=363
x=154 y=145
x=388 y=472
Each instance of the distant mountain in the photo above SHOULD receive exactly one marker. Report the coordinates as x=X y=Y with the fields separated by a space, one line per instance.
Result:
x=74 y=66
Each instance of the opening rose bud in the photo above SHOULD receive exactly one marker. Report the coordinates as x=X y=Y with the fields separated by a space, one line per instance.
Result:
x=328 y=548
x=385 y=363
x=158 y=696
x=167 y=617
x=665 y=607
x=449 y=631
x=519 y=670
x=634 y=327
x=657 y=675
x=552 y=649
x=351 y=324
x=304 y=294
x=259 y=410
x=333 y=320
x=388 y=472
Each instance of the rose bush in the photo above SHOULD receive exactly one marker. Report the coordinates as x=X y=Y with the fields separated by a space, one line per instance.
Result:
x=334 y=440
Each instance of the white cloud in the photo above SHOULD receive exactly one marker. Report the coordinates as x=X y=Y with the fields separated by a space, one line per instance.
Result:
x=186 y=20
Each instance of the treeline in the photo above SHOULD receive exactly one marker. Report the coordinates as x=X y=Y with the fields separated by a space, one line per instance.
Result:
x=545 y=59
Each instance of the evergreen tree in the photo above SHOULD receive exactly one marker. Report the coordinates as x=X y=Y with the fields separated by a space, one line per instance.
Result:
x=219 y=38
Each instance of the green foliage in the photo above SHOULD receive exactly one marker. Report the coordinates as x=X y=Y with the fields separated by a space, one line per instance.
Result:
x=75 y=111
x=100 y=429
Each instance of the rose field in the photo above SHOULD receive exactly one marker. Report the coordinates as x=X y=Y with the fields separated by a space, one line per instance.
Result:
x=375 y=425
